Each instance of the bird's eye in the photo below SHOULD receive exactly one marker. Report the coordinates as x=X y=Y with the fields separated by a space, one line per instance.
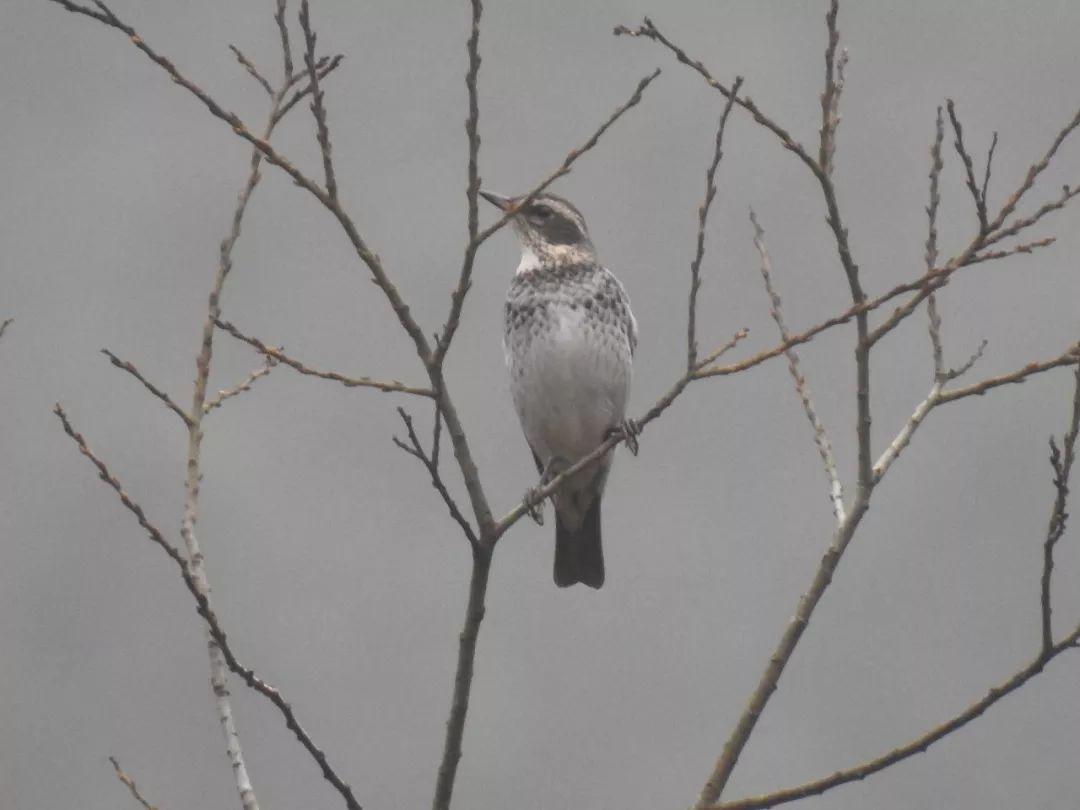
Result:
x=540 y=214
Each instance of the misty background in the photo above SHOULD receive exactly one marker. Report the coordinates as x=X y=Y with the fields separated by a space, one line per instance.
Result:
x=336 y=571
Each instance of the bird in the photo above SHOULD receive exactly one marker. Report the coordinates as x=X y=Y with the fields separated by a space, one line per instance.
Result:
x=569 y=339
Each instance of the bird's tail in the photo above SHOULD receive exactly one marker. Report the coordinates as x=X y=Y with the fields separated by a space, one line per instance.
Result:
x=578 y=554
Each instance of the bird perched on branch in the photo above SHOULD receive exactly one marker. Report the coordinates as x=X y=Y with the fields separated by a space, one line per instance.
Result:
x=569 y=339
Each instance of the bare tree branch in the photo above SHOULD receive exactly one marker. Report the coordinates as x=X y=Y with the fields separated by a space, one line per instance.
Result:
x=250 y=68
x=472 y=188
x=317 y=107
x=220 y=640
x=129 y=783
x=989 y=164
x=830 y=98
x=1062 y=462
x=325 y=66
x=1070 y=357
x=5 y=324
x=153 y=389
x=278 y=354
x=1022 y=223
x=283 y=32
x=916 y=746
x=571 y=158
x=1026 y=247
x=481 y=556
x=802 y=388
x=415 y=449
x=458 y=296
x=703 y=216
x=936 y=165
x=939 y=395
x=969 y=169
x=1033 y=173
x=236 y=390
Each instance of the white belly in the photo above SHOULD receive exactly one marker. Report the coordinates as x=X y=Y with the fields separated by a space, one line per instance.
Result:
x=570 y=384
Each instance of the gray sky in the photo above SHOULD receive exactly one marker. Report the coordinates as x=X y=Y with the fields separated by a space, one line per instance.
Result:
x=336 y=571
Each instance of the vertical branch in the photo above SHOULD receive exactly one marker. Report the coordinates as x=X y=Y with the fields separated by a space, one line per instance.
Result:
x=286 y=50
x=703 y=215
x=317 y=108
x=821 y=437
x=989 y=163
x=931 y=244
x=969 y=170
x=830 y=97
x=472 y=190
x=767 y=684
x=483 y=548
x=459 y=708
x=1062 y=461
x=196 y=566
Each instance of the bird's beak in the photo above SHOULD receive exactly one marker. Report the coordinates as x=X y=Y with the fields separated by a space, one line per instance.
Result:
x=499 y=201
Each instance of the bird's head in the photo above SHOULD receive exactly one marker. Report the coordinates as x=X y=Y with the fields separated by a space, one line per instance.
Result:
x=550 y=228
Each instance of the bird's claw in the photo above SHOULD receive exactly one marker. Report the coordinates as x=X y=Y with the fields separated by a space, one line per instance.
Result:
x=534 y=505
x=628 y=431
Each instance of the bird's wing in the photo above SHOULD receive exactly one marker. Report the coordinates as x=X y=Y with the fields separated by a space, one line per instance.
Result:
x=631 y=322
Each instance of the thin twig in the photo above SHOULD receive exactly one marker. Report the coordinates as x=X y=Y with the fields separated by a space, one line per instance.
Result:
x=916 y=746
x=5 y=324
x=802 y=388
x=472 y=191
x=283 y=31
x=326 y=66
x=952 y=373
x=458 y=296
x=1062 y=462
x=1070 y=357
x=415 y=449
x=571 y=158
x=940 y=277
x=830 y=97
x=989 y=163
x=703 y=216
x=202 y=602
x=1022 y=223
x=153 y=389
x=129 y=783
x=250 y=68
x=370 y=259
x=236 y=390
x=936 y=164
x=939 y=395
x=278 y=354
x=649 y=30
x=481 y=557
x=1034 y=171
x=969 y=169
x=743 y=729
x=317 y=107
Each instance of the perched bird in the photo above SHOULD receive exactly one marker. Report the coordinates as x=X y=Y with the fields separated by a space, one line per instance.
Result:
x=569 y=339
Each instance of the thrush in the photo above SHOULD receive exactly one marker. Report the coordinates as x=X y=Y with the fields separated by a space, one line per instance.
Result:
x=569 y=339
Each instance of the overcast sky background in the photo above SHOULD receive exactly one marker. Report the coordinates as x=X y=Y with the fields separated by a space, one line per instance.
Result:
x=336 y=571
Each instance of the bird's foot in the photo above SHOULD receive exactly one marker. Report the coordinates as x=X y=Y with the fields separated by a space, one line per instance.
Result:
x=628 y=431
x=534 y=504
